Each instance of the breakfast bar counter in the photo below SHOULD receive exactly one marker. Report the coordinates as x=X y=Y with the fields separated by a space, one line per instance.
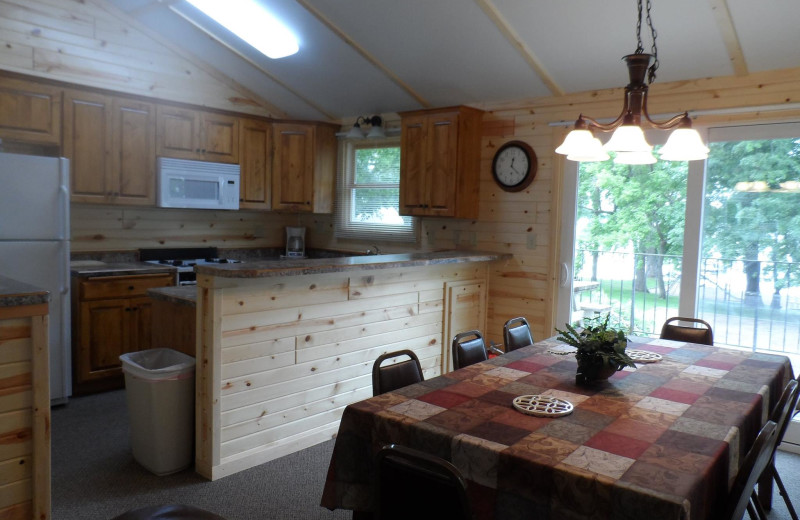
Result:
x=283 y=346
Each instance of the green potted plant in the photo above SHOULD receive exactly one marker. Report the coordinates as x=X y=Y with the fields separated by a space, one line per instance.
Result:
x=601 y=349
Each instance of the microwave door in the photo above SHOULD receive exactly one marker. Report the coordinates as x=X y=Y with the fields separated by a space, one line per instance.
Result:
x=189 y=191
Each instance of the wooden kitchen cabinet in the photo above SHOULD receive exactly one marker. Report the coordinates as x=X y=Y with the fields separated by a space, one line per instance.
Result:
x=110 y=142
x=440 y=162
x=304 y=167
x=193 y=134
x=111 y=316
x=255 y=160
x=30 y=112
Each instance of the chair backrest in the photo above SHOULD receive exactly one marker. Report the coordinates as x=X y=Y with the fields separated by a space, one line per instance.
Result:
x=516 y=334
x=468 y=349
x=754 y=464
x=397 y=375
x=414 y=484
x=702 y=335
x=784 y=409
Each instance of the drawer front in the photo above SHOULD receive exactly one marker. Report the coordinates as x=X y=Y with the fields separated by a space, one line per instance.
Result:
x=123 y=286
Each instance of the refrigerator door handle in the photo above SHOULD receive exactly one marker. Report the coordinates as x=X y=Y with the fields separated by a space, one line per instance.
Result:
x=64 y=201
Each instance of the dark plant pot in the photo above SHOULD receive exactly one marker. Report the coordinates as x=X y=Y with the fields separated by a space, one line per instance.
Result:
x=590 y=373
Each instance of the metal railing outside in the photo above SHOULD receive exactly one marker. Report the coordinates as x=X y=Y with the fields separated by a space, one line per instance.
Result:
x=767 y=320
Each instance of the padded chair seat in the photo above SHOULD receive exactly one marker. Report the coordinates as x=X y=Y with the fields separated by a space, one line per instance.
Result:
x=169 y=512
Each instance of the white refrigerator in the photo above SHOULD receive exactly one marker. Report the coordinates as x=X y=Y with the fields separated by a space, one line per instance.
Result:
x=34 y=246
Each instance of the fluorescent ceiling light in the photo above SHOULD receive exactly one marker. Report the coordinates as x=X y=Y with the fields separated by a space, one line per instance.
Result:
x=248 y=20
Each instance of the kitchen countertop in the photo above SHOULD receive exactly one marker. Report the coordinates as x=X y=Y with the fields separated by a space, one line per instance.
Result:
x=181 y=294
x=87 y=268
x=14 y=293
x=286 y=267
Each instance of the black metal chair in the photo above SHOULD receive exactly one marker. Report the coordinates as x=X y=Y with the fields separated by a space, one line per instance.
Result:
x=468 y=349
x=397 y=375
x=743 y=495
x=414 y=484
x=702 y=335
x=517 y=334
x=782 y=416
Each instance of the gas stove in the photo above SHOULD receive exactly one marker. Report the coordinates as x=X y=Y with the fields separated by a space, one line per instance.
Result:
x=184 y=260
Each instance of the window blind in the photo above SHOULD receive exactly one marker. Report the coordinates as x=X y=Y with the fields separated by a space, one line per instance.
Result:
x=368 y=192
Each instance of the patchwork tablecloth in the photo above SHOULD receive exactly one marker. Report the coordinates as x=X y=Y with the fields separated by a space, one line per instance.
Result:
x=661 y=441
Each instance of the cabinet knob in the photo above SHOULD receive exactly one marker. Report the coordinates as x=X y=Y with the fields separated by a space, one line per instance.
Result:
x=127 y=309
x=130 y=287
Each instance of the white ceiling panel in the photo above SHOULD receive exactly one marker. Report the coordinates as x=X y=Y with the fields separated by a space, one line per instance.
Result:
x=447 y=50
x=769 y=32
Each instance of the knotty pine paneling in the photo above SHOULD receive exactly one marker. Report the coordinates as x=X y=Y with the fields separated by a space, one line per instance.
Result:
x=117 y=228
x=284 y=356
x=86 y=43
x=24 y=413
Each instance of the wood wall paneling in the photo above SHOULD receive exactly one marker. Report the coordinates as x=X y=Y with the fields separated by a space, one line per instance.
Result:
x=294 y=352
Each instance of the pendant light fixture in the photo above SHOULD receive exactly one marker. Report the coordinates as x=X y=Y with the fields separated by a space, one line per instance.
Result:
x=628 y=140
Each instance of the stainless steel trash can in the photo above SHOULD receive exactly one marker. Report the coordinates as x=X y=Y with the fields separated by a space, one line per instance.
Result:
x=159 y=389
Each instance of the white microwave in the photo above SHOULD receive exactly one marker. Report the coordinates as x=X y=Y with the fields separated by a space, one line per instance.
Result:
x=182 y=183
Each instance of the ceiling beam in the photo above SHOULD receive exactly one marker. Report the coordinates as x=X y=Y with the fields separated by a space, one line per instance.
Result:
x=722 y=15
x=252 y=63
x=511 y=35
x=363 y=52
x=199 y=63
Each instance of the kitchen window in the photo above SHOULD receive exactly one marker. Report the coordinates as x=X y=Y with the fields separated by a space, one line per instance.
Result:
x=368 y=193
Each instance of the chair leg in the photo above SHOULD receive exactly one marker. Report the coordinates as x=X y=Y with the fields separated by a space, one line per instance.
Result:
x=756 y=504
x=752 y=510
x=784 y=494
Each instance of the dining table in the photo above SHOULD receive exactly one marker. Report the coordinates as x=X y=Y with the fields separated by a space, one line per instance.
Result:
x=663 y=440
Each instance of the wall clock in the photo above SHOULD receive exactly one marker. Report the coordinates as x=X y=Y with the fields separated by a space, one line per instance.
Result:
x=514 y=166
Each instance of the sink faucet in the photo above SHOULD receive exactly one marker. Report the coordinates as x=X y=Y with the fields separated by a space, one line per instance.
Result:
x=374 y=250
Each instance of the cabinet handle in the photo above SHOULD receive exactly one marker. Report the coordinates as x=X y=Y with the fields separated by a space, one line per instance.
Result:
x=197 y=150
x=442 y=123
x=204 y=150
x=127 y=309
x=308 y=202
x=130 y=287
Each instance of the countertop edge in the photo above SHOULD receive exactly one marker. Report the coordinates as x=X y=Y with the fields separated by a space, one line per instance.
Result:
x=287 y=267
x=14 y=293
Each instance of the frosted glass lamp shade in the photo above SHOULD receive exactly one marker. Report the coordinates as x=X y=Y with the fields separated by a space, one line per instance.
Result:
x=684 y=144
x=355 y=132
x=593 y=152
x=576 y=142
x=628 y=138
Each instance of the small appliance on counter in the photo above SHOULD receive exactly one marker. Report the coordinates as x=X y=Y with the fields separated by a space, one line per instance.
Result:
x=184 y=260
x=295 y=242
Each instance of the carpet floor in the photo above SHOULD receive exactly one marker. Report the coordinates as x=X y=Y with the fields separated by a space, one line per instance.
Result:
x=96 y=478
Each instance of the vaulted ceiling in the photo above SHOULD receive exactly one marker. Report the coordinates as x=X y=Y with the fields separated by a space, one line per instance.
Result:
x=361 y=57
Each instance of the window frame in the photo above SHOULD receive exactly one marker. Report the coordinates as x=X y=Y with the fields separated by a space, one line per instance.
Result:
x=344 y=227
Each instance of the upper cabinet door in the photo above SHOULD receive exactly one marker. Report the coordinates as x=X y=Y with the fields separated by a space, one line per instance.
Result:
x=178 y=133
x=202 y=136
x=293 y=169
x=219 y=138
x=30 y=112
x=133 y=151
x=87 y=135
x=412 y=166
x=442 y=166
x=440 y=162
x=255 y=158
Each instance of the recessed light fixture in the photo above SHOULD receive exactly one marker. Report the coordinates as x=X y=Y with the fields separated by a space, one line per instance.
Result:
x=251 y=22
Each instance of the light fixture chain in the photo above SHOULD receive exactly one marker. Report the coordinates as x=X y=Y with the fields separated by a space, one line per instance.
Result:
x=639 y=47
x=651 y=75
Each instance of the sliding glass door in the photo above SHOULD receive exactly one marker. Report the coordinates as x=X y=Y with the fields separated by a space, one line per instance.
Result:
x=716 y=239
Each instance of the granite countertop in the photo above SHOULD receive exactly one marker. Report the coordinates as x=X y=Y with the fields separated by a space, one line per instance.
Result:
x=14 y=293
x=180 y=294
x=287 y=267
x=86 y=268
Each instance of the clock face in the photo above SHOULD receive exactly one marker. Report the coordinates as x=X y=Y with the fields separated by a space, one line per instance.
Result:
x=514 y=166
